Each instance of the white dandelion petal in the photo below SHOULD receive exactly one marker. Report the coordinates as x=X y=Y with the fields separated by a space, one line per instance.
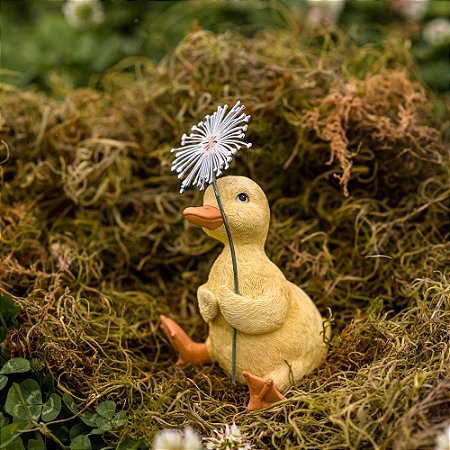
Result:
x=208 y=150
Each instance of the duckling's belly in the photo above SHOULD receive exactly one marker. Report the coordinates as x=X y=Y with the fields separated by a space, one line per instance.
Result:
x=291 y=351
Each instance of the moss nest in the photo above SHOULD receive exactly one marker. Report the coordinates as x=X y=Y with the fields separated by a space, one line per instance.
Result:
x=349 y=152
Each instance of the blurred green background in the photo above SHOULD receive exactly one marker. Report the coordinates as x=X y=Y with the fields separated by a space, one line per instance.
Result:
x=60 y=45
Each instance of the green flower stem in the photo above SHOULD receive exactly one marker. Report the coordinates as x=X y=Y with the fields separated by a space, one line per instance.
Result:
x=235 y=275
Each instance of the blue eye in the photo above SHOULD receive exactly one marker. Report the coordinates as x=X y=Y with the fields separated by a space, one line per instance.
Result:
x=242 y=197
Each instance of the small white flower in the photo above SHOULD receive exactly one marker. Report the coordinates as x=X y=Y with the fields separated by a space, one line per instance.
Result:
x=83 y=13
x=235 y=431
x=335 y=7
x=443 y=440
x=228 y=439
x=168 y=440
x=210 y=146
x=324 y=12
x=437 y=32
x=191 y=440
x=410 y=9
x=176 y=440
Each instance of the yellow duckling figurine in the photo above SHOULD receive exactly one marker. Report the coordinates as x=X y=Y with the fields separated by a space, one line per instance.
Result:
x=279 y=329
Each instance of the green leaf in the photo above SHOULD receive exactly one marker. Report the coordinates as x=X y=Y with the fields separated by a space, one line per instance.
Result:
x=24 y=401
x=103 y=424
x=119 y=420
x=8 y=307
x=70 y=403
x=35 y=444
x=10 y=437
x=89 y=418
x=3 y=381
x=16 y=365
x=106 y=409
x=9 y=310
x=79 y=428
x=126 y=444
x=80 y=443
x=51 y=408
x=3 y=420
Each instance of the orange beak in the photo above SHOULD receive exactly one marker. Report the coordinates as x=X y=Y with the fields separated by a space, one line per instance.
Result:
x=204 y=216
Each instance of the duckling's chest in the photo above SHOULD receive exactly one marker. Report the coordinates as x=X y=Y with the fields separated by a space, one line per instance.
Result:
x=256 y=274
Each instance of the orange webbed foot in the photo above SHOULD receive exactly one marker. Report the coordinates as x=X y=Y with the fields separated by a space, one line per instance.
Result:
x=263 y=392
x=189 y=352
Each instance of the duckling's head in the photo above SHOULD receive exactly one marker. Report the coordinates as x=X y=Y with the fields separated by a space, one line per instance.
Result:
x=246 y=209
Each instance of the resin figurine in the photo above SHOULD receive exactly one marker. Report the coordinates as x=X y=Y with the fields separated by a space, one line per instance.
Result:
x=279 y=329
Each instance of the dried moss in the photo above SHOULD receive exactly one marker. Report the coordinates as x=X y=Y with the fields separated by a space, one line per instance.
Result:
x=345 y=144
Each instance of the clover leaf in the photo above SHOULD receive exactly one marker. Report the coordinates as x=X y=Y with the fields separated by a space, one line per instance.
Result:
x=89 y=418
x=24 y=400
x=80 y=442
x=107 y=419
x=106 y=409
x=15 y=365
x=10 y=438
x=9 y=310
x=51 y=408
x=36 y=444
x=70 y=403
x=3 y=381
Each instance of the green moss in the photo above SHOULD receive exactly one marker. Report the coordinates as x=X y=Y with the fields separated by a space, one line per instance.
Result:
x=346 y=146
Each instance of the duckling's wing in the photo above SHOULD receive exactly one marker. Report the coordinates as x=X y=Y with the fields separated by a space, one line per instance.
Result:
x=259 y=315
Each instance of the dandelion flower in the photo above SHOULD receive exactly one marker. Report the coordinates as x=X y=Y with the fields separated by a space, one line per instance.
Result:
x=209 y=148
x=83 y=13
x=176 y=440
x=230 y=438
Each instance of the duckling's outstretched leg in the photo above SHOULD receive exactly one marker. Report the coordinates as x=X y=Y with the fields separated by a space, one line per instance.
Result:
x=263 y=392
x=189 y=352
